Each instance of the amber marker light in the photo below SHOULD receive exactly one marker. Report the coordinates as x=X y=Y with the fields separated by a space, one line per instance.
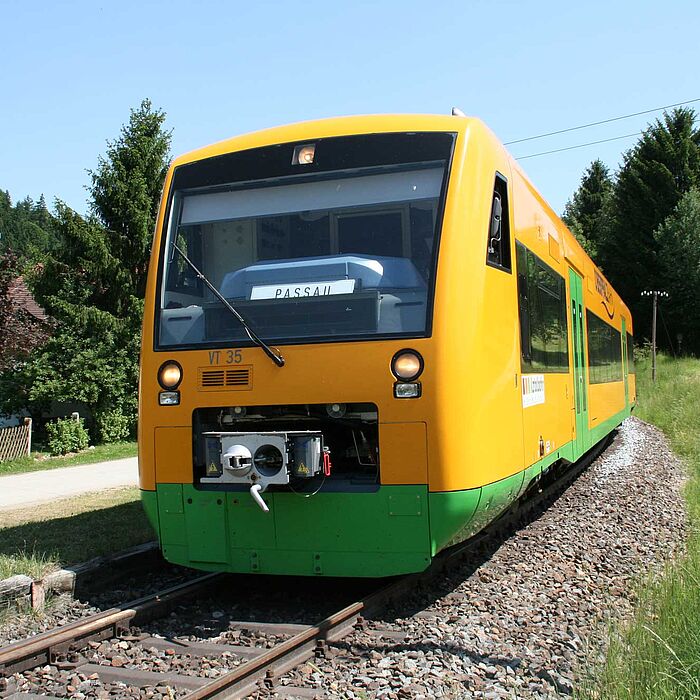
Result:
x=304 y=155
x=407 y=365
x=170 y=375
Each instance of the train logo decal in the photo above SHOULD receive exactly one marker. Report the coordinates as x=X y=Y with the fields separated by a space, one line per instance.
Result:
x=603 y=288
x=533 y=389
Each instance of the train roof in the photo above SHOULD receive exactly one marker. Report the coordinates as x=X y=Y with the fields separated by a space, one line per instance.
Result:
x=472 y=127
x=333 y=126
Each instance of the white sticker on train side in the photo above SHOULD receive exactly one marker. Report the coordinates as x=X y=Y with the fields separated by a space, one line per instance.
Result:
x=533 y=389
x=303 y=289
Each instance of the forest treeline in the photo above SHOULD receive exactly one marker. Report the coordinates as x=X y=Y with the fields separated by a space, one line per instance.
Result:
x=640 y=224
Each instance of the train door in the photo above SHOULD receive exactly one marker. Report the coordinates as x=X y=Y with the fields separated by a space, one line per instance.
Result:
x=578 y=338
x=625 y=366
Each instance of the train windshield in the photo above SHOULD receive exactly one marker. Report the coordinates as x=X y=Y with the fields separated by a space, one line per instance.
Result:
x=347 y=254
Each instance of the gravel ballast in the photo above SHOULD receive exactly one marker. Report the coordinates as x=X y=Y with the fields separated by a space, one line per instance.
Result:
x=527 y=621
x=523 y=618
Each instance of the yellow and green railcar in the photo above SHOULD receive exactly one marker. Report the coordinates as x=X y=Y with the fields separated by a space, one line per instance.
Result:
x=363 y=338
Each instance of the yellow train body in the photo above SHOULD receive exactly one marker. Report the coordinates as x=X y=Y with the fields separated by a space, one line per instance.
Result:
x=469 y=429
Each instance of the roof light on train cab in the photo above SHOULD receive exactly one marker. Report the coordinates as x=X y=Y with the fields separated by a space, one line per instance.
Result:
x=304 y=155
x=407 y=365
x=170 y=375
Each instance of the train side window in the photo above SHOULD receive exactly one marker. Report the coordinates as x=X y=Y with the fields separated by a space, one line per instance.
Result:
x=604 y=350
x=543 y=314
x=523 y=303
x=498 y=243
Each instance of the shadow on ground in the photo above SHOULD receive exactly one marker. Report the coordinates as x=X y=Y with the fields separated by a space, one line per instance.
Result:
x=77 y=538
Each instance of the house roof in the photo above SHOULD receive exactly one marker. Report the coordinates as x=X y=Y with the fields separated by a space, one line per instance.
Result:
x=22 y=298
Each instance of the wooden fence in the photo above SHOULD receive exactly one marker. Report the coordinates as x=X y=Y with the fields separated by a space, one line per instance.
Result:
x=16 y=441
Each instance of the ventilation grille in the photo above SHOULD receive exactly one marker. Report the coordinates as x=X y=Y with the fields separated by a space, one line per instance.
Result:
x=225 y=378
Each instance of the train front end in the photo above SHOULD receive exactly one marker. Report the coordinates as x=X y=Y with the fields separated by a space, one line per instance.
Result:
x=288 y=369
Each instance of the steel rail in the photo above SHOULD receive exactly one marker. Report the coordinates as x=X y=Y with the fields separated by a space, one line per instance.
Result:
x=292 y=651
x=42 y=648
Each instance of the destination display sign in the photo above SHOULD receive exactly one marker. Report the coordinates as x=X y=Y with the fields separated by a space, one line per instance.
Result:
x=302 y=290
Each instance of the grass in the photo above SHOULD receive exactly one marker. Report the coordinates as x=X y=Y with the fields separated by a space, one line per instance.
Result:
x=29 y=564
x=657 y=656
x=40 y=460
x=36 y=540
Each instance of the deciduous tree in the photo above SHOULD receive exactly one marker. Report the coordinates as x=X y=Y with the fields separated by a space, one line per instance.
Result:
x=20 y=331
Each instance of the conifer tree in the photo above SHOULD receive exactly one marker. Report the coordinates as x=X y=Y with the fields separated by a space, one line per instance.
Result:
x=586 y=212
x=27 y=229
x=126 y=189
x=678 y=240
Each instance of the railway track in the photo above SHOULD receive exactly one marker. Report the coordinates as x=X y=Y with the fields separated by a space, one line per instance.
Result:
x=272 y=648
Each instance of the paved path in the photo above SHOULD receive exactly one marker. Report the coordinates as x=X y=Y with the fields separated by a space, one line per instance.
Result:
x=19 y=490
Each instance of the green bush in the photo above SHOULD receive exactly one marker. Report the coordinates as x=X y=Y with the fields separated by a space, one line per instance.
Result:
x=113 y=426
x=642 y=352
x=66 y=435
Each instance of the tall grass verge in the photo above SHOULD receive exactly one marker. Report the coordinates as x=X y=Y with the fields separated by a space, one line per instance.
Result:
x=657 y=656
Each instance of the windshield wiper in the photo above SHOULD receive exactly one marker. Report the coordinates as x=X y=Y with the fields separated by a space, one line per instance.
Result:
x=274 y=355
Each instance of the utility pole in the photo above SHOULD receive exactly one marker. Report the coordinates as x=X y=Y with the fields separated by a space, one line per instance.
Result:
x=655 y=294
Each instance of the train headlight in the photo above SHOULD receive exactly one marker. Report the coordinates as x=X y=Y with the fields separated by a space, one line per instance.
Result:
x=170 y=375
x=169 y=398
x=407 y=365
x=405 y=390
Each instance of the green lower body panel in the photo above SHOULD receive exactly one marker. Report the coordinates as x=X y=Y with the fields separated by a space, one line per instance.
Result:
x=451 y=512
x=394 y=530
x=149 y=501
x=333 y=534
x=458 y=515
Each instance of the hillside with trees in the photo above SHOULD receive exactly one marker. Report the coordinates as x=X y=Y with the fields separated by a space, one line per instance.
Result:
x=27 y=228
x=92 y=286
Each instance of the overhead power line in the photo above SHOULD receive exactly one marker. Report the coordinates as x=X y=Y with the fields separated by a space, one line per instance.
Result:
x=589 y=143
x=580 y=145
x=603 y=121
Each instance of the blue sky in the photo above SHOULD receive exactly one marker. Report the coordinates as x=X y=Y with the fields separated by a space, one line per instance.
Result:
x=73 y=70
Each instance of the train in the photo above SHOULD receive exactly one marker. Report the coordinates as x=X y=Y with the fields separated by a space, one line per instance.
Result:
x=364 y=338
